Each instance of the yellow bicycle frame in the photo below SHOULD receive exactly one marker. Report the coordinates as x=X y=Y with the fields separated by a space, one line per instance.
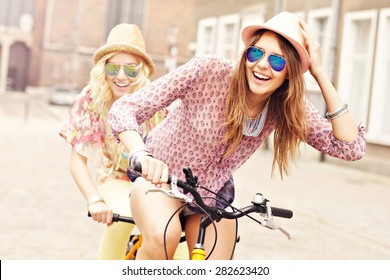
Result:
x=181 y=252
x=198 y=254
x=137 y=241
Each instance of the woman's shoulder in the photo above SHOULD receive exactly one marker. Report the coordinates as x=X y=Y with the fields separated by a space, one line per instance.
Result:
x=86 y=93
x=85 y=105
x=213 y=59
x=214 y=64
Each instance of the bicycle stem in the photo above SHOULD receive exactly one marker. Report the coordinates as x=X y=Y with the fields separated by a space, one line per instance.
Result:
x=198 y=252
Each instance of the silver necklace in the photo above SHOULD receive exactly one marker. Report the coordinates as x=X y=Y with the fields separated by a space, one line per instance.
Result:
x=253 y=126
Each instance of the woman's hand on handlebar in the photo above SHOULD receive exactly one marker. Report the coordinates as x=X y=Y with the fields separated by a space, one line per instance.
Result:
x=100 y=212
x=154 y=170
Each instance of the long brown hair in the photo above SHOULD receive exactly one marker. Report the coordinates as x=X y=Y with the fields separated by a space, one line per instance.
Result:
x=286 y=105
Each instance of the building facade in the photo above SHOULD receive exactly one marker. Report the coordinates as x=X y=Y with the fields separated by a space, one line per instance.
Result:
x=355 y=47
x=44 y=43
x=49 y=42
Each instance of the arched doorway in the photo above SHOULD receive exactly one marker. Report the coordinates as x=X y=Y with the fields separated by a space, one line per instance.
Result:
x=18 y=67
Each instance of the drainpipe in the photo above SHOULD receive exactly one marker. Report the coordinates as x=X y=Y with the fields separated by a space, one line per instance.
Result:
x=277 y=6
x=6 y=44
x=334 y=43
x=333 y=47
x=76 y=42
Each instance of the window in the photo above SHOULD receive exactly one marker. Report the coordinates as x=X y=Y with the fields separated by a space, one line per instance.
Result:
x=379 y=121
x=228 y=36
x=357 y=54
x=320 y=22
x=130 y=11
x=253 y=18
x=12 y=10
x=206 y=35
x=222 y=35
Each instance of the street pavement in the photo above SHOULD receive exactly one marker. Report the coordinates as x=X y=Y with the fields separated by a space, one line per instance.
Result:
x=340 y=213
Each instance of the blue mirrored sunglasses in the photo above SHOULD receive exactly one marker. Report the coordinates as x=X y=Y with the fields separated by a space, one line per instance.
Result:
x=277 y=62
x=112 y=69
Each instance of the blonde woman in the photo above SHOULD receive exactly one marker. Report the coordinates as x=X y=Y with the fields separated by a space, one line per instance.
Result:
x=227 y=110
x=120 y=67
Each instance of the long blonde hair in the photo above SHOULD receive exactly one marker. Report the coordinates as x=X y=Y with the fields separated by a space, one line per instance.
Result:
x=101 y=93
x=286 y=105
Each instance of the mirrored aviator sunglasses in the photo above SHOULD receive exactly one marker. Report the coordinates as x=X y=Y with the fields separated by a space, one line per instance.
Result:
x=277 y=62
x=112 y=69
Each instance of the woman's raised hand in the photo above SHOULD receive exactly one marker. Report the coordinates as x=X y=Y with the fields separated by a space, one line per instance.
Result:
x=313 y=48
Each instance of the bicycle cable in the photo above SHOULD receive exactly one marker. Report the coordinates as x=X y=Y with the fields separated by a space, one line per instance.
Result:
x=166 y=228
x=173 y=215
x=227 y=204
x=209 y=217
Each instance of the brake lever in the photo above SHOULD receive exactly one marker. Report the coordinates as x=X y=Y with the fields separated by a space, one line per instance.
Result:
x=269 y=222
x=173 y=192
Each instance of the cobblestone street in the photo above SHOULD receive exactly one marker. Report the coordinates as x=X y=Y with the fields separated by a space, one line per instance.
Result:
x=339 y=213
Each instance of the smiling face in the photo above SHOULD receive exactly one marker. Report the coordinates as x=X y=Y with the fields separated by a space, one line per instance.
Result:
x=121 y=83
x=262 y=79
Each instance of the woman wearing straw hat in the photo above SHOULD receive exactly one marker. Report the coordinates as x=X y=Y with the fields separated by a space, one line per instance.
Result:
x=227 y=110
x=121 y=66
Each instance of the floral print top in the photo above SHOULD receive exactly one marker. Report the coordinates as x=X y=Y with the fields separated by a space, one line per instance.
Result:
x=192 y=132
x=87 y=131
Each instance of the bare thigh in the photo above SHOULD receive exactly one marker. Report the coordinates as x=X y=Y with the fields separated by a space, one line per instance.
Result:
x=116 y=195
x=152 y=212
x=226 y=237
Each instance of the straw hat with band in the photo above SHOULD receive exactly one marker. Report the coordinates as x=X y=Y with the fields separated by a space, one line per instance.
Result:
x=287 y=25
x=126 y=38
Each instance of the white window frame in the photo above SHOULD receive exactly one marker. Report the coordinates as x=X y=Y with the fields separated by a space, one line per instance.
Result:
x=222 y=47
x=250 y=18
x=253 y=15
x=345 y=79
x=380 y=80
x=201 y=45
x=300 y=14
x=312 y=19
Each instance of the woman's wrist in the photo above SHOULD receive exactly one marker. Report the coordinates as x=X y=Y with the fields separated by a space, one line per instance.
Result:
x=135 y=155
x=319 y=74
x=343 y=109
x=94 y=199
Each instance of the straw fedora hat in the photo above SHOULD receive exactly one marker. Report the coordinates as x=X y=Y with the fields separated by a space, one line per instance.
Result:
x=287 y=25
x=127 y=38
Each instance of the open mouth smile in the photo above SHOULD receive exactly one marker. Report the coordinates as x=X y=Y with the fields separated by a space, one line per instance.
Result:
x=121 y=84
x=261 y=76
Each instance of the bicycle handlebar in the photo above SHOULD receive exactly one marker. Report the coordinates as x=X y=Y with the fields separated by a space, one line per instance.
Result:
x=259 y=203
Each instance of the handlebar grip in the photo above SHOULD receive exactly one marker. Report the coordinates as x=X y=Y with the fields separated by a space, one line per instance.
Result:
x=118 y=218
x=138 y=167
x=280 y=212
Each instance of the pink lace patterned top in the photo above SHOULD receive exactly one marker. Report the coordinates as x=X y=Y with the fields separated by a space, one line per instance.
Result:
x=87 y=131
x=192 y=132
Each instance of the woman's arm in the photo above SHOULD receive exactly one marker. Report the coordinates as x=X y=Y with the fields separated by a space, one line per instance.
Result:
x=344 y=126
x=153 y=169
x=130 y=111
x=96 y=206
